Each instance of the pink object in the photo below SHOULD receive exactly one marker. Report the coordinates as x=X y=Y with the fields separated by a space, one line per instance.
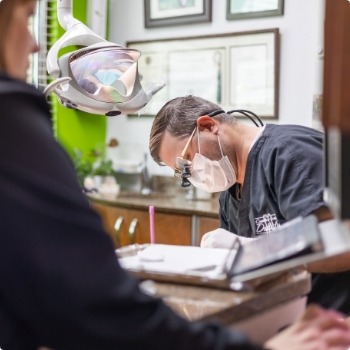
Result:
x=151 y=223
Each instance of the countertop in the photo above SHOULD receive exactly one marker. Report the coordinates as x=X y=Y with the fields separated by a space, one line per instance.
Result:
x=227 y=306
x=175 y=203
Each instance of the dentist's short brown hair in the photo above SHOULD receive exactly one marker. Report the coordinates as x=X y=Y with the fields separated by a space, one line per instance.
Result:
x=179 y=117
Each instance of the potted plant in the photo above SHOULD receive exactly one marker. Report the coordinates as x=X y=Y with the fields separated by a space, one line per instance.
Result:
x=83 y=167
x=104 y=177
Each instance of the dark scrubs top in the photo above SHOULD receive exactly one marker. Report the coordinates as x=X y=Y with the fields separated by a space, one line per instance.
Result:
x=283 y=180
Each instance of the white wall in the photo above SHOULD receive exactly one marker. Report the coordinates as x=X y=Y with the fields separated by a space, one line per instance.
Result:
x=301 y=29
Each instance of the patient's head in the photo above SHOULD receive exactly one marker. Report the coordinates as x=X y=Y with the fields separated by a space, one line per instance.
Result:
x=16 y=41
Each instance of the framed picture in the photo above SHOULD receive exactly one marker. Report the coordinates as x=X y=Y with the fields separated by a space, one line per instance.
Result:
x=242 y=9
x=235 y=70
x=159 y=13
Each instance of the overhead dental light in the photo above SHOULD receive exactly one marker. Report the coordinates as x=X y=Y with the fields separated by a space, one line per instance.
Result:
x=99 y=78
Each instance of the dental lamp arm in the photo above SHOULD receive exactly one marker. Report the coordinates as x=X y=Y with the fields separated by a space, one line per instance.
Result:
x=65 y=14
x=76 y=33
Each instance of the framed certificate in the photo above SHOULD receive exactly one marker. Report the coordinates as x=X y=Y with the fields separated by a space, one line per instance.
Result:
x=242 y=9
x=235 y=70
x=159 y=13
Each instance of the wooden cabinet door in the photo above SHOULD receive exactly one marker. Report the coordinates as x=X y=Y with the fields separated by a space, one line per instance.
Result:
x=205 y=225
x=123 y=225
x=103 y=211
x=129 y=226
x=172 y=229
x=169 y=228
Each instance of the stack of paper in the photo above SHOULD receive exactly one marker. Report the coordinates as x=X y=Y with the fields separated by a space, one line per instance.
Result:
x=183 y=260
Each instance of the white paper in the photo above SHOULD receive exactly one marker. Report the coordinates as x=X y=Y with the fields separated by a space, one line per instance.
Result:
x=172 y=259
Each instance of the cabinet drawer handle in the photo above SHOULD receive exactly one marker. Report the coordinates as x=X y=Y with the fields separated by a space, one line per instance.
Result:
x=132 y=229
x=117 y=227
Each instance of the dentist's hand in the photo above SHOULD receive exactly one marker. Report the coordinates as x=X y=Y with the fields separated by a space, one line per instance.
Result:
x=221 y=238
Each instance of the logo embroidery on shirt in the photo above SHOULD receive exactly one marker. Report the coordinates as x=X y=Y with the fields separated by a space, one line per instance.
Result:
x=266 y=223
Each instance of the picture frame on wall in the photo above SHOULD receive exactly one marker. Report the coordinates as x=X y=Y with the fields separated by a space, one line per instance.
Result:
x=161 y=13
x=243 y=9
x=234 y=70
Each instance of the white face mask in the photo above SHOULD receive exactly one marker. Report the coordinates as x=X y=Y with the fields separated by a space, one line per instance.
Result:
x=212 y=175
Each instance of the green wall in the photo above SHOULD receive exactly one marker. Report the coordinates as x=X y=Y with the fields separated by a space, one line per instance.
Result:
x=76 y=129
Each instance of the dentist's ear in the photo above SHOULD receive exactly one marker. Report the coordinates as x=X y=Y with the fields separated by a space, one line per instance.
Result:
x=205 y=122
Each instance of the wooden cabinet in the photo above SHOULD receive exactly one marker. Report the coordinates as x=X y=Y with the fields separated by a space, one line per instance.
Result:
x=128 y=226
x=205 y=224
